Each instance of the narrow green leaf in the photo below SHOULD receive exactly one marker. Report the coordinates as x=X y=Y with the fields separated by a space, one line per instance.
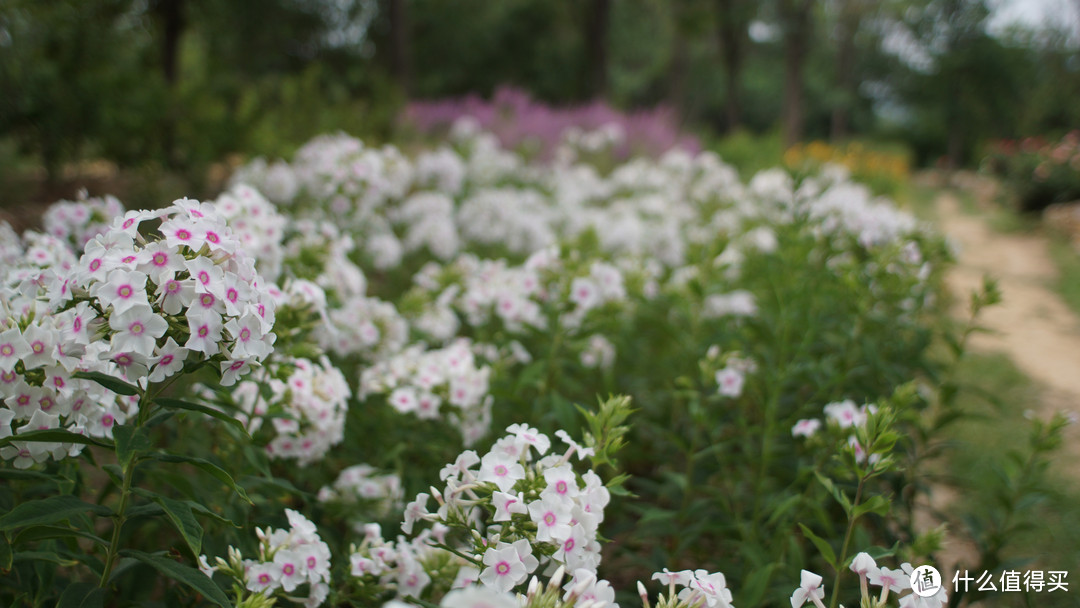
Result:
x=202 y=510
x=179 y=513
x=45 y=556
x=112 y=383
x=822 y=546
x=82 y=595
x=35 y=533
x=53 y=436
x=181 y=573
x=130 y=442
x=47 y=511
x=178 y=404
x=206 y=466
x=6 y=556
x=875 y=504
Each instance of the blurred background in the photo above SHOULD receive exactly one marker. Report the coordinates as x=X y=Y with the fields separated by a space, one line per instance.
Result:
x=153 y=99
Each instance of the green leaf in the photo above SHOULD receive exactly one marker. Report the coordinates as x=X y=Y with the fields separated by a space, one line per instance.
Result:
x=186 y=575
x=35 y=533
x=6 y=556
x=53 y=436
x=110 y=382
x=47 y=511
x=206 y=466
x=45 y=556
x=82 y=595
x=130 y=442
x=835 y=491
x=202 y=510
x=876 y=504
x=178 y=404
x=822 y=546
x=179 y=513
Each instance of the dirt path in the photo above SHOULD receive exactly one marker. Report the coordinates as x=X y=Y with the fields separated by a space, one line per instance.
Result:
x=1032 y=325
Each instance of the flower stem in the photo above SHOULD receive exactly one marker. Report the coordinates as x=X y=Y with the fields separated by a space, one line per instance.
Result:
x=835 y=598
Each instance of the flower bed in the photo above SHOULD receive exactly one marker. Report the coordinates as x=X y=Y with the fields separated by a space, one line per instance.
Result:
x=364 y=377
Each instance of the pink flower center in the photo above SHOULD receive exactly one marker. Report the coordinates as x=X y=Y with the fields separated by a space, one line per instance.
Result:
x=123 y=360
x=77 y=324
x=23 y=400
x=128 y=223
x=568 y=545
x=160 y=259
x=136 y=328
x=232 y=294
x=46 y=403
x=183 y=235
x=94 y=265
x=7 y=350
x=167 y=359
x=236 y=365
x=38 y=347
x=207 y=300
x=500 y=470
x=311 y=562
x=264 y=579
x=204 y=331
x=172 y=287
x=245 y=334
x=549 y=519
x=204 y=277
x=288 y=569
x=502 y=568
x=107 y=420
x=128 y=259
x=125 y=291
x=560 y=487
x=212 y=237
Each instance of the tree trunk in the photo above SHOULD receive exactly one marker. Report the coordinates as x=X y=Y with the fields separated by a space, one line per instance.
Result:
x=400 y=47
x=846 y=28
x=732 y=30
x=171 y=14
x=796 y=22
x=596 y=42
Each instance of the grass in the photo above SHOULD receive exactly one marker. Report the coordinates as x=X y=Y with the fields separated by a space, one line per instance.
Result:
x=1041 y=530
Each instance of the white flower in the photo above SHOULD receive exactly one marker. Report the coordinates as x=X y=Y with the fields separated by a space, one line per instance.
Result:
x=504 y=570
x=479 y=597
x=810 y=590
x=730 y=381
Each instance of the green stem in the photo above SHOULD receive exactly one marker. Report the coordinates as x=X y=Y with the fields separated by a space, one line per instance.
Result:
x=145 y=403
x=121 y=516
x=833 y=600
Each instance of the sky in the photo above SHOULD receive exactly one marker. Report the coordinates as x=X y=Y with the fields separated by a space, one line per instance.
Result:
x=1033 y=13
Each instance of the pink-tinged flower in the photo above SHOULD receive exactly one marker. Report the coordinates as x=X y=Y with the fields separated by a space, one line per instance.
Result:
x=730 y=381
x=42 y=342
x=174 y=295
x=463 y=463
x=159 y=261
x=667 y=577
x=810 y=590
x=501 y=471
x=124 y=289
x=403 y=399
x=464 y=596
x=552 y=519
x=806 y=427
x=291 y=571
x=863 y=564
x=13 y=347
x=845 y=414
x=248 y=337
x=168 y=360
x=137 y=330
x=231 y=371
x=895 y=580
x=507 y=504
x=505 y=568
x=529 y=436
x=208 y=276
x=205 y=333
x=415 y=511
x=713 y=587
x=262 y=577
x=561 y=484
x=584 y=293
x=180 y=231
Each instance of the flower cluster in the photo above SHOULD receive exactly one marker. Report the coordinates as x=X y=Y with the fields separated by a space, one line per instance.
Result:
x=811 y=590
x=844 y=418
x=304 y=402
x=80 y=220
x=287 y=563
x=376 y=495
x=133 y=308
x=440 y=383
